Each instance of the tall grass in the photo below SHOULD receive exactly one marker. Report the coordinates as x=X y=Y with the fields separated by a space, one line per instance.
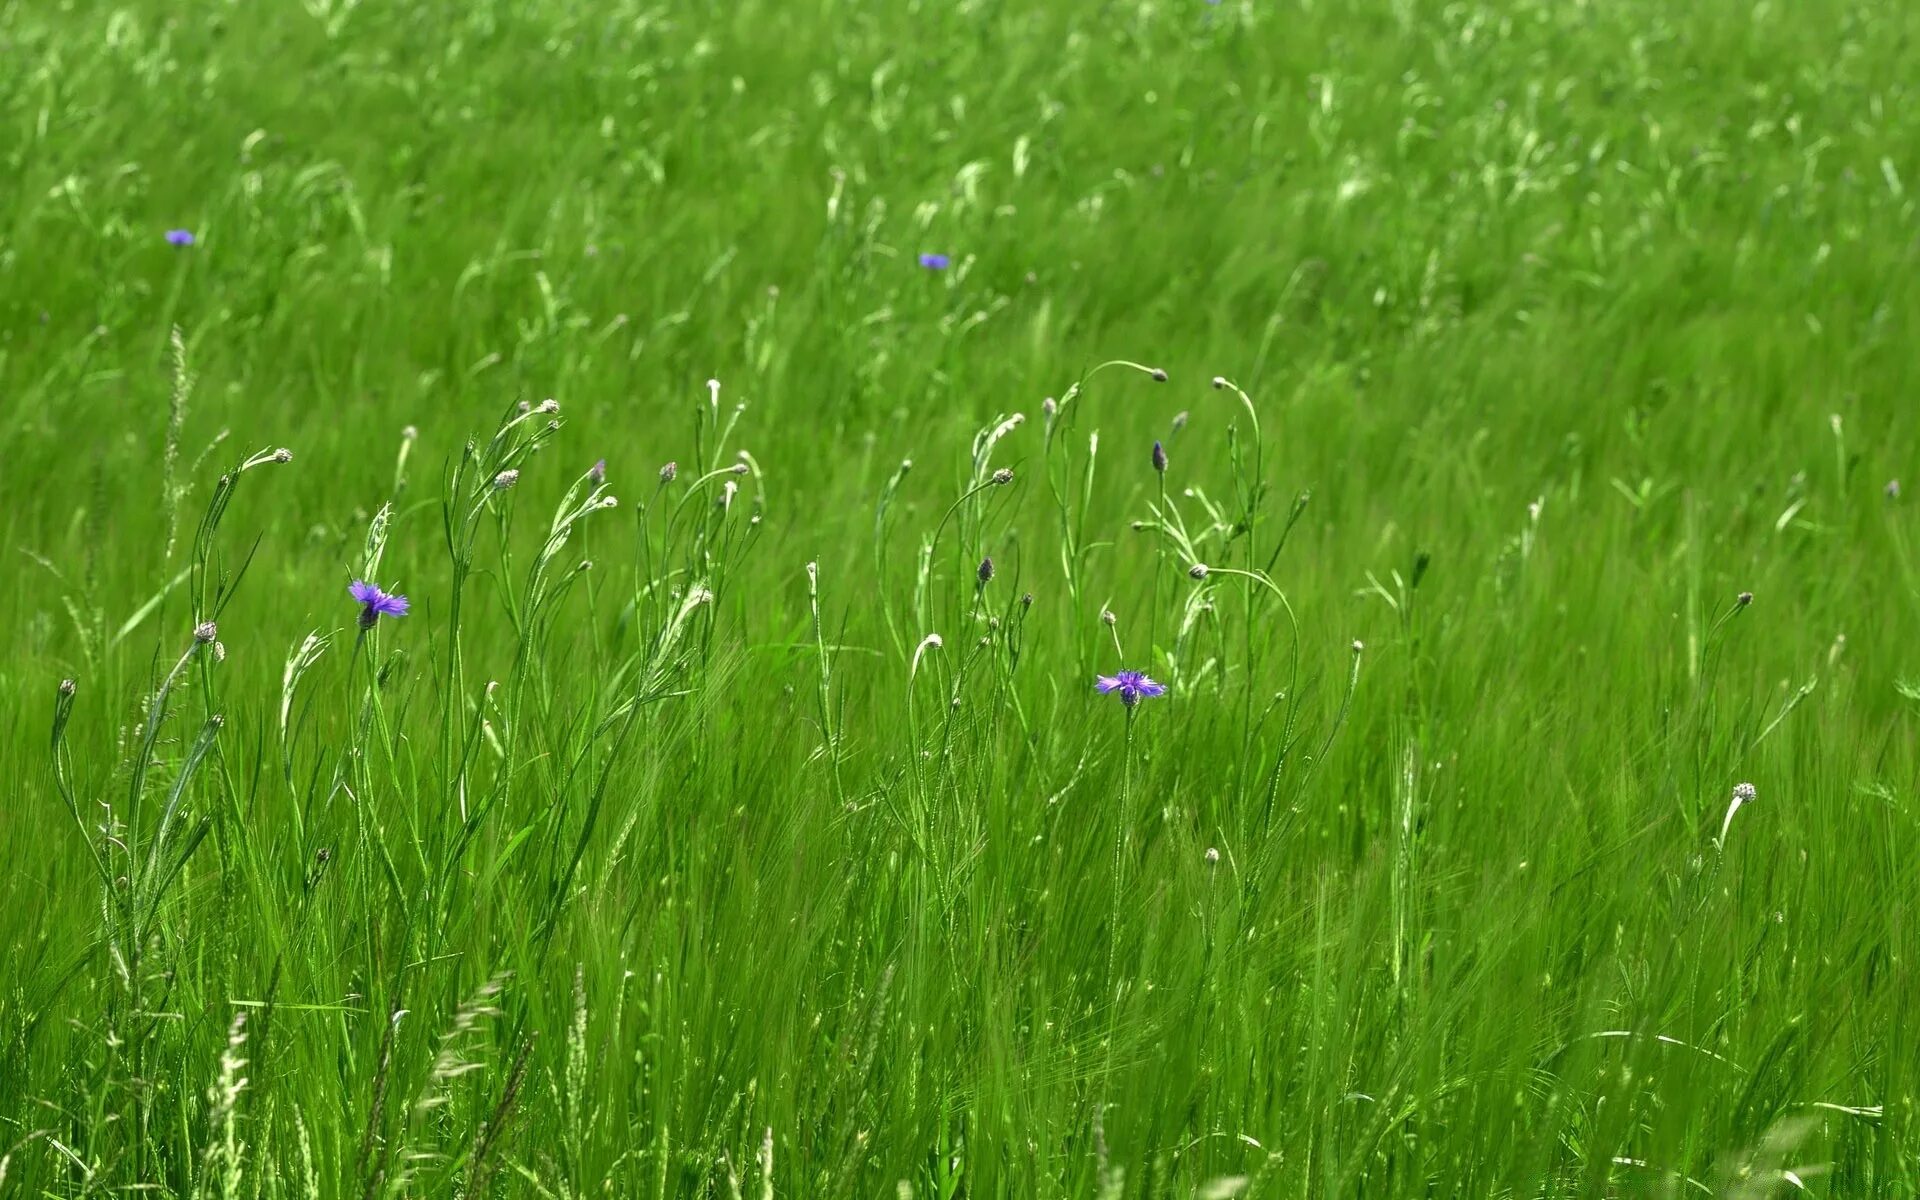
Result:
x=1532 y=808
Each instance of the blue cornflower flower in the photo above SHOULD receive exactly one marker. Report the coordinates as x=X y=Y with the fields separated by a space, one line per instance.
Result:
x=935 y=262
x=376 y=603
x=179 y=237
x=1133 y=686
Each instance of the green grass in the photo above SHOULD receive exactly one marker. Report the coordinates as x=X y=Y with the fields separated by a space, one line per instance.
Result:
x=700 y=873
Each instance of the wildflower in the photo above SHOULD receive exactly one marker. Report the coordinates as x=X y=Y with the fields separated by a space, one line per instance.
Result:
x=668 y=472
x=1743 y=793
x=283 y=455
x=376 y=603
x=180 y=237
x=409 y=433
x=935 y=262
x=205 y=632
x=1213 y=856
x=1133 y=686
x=1743 y=599
x=1003 y=476
x=597 y=473
x=1106 y=614
x=1197 y=571
x=68 y=687
x=549 y=405
x=505 y=479
x=1159 y=458
x=985 y=573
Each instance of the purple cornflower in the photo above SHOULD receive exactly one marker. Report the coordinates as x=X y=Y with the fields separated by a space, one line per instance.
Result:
x=935 y=262
x=376 y=603
x=1133 y=686
x=179 y=237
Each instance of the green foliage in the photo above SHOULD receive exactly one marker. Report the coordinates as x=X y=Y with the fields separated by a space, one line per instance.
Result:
x=1531 y=378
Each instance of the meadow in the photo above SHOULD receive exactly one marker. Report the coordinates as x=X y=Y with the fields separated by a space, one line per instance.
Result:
x=1484 y=419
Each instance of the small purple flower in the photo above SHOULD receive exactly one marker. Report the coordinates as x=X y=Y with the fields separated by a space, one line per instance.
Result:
x=179 y=237
x=1133 y=686
x=376 y=603
x=597 y=473
x=935 y=262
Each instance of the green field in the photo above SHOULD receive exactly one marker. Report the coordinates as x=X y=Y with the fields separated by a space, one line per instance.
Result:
x=1534 y=379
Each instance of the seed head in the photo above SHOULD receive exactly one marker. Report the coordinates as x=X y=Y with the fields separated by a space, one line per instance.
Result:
x=1893 y=489
x=1179 y=421
x=68 y=687
x=1159 y=375
x=1743 y=792
x=283 y=455
x=1003 y=476
x=1026 y=601
x=1219 y=381
x=409 y=433
x=205 y=632
x=985 y=573
x=505 y=479
x=1197 y=571
x=549 y=405
x=1106 y=614
x=1048 y=408
x=525 y=407
x=739 y=468
x=1159 y=458
x=668 y=472
x=1358 y=646
x=597 y=473
x=1213 y=856
x=1743 y=599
